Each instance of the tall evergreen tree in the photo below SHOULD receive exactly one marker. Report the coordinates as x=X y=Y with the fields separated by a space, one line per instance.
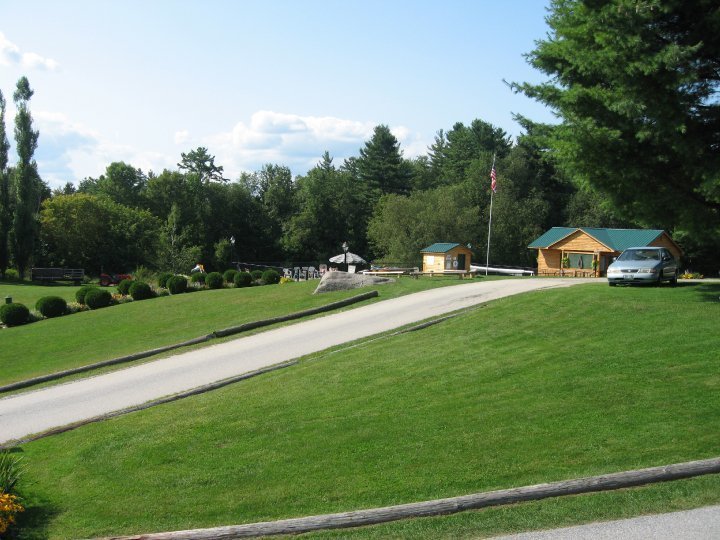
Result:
x=25 y=180
x=637 y=86
x=5 y=210
x=381 y=164
x=200 y=162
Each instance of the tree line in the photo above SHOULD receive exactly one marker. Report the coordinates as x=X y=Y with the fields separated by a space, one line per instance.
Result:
x=385 y=206
x=637 y=145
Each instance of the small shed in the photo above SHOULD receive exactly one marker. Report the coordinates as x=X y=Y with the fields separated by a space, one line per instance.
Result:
x=589 y=251
x=446 y=257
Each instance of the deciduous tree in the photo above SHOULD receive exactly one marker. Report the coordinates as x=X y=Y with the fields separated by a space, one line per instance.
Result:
x=5 y=210
x=26 y=181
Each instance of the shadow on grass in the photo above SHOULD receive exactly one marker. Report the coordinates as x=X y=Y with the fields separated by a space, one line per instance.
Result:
x=48 y=284
x=709 y=292
x=33 y=523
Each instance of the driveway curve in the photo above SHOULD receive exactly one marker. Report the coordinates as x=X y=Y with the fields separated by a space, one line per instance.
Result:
x=32 y=412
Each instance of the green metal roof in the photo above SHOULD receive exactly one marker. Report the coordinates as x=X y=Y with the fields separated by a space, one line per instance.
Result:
x=440 y=247
x=552 y=236
x=615 y=239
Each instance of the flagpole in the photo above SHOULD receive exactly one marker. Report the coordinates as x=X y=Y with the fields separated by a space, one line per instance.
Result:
x=492 y=192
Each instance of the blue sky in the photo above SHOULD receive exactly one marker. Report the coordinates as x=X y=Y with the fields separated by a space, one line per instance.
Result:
x=256 y=82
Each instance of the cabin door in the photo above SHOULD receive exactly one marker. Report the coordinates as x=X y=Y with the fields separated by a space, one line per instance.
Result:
x=461 y=261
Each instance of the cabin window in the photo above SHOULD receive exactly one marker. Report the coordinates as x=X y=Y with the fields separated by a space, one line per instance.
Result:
x=580 y=260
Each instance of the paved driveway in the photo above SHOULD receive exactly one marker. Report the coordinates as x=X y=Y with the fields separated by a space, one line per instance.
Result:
x=699 y=524
x=40 y=410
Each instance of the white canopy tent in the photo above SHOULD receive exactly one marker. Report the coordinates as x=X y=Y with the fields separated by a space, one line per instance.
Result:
x=352 y=258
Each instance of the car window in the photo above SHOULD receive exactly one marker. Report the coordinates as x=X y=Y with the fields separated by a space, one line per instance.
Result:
x=640 y=255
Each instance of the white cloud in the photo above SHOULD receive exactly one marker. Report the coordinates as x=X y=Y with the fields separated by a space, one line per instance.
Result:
x=181 y=136
x=10 y=55
x=69 y=151
x=9 y=52
x=289 y=139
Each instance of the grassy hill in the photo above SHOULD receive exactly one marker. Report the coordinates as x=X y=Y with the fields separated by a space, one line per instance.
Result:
x=93 y=336
x=540 y=387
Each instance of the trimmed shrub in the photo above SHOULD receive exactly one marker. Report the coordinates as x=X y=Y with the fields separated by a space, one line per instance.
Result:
x=81 y=292
x=198 y=277
x=271 y=277
x=98 y=298
x=229 y=275
x=256 y=274
x=163 y=278
x=177 y=284
x=124 y=286
x=214 y=280
x=139 y=290
x=51 y=306
x=14 y=314
x=243 y=279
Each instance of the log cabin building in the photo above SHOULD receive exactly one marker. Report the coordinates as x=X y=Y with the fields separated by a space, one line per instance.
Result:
x=589 y=251
x=446 y=257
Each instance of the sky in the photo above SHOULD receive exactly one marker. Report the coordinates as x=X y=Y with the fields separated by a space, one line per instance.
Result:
x=256 y=82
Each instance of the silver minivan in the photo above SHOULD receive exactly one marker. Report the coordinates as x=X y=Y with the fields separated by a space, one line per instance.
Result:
x=643 y=265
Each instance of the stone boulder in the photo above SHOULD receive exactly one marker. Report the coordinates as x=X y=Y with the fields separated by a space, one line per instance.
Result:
x=343 y=281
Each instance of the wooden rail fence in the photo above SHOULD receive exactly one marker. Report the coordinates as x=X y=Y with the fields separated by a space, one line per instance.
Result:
x=445 y=506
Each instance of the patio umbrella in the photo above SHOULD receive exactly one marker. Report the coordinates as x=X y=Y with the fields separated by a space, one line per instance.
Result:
x=351 y=259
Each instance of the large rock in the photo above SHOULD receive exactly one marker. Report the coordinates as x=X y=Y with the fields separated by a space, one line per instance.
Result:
x=343 y=281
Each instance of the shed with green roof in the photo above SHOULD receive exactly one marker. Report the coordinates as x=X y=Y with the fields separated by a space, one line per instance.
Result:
x=588 y=251
x=446 y=257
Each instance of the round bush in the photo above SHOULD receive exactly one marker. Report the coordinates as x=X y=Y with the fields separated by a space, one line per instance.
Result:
x=163 y=278
x=98 y=298
x=214 y=280
x=81 y=292
x=229 y=275
x=198 y=277
x=243 y=279
x=271 y=277
x=124 y=286
x=14 y=314
x=256 y=274
x=139 y=290
x=177 y=284
x=12 y=275
x=51 y=306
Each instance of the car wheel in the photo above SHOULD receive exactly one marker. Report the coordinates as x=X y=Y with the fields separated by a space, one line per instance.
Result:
x=673 y=281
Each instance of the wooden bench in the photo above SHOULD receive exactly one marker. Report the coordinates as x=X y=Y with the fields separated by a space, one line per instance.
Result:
x=75 y=275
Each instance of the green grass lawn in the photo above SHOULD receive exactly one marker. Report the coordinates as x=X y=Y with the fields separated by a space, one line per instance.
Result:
x=28 y=293
x=92 y=336
x=541 y=387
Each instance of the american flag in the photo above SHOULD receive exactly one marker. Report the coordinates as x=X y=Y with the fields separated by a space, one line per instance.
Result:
x=493 y=179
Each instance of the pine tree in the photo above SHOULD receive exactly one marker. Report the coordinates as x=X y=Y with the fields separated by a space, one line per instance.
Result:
x=381 y=164
x=637 y=87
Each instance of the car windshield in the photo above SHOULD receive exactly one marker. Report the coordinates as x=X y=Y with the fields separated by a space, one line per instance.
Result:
x=640 y=255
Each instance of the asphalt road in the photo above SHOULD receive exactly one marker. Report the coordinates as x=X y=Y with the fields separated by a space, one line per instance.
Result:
x=36 y=411
x=698 y=524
